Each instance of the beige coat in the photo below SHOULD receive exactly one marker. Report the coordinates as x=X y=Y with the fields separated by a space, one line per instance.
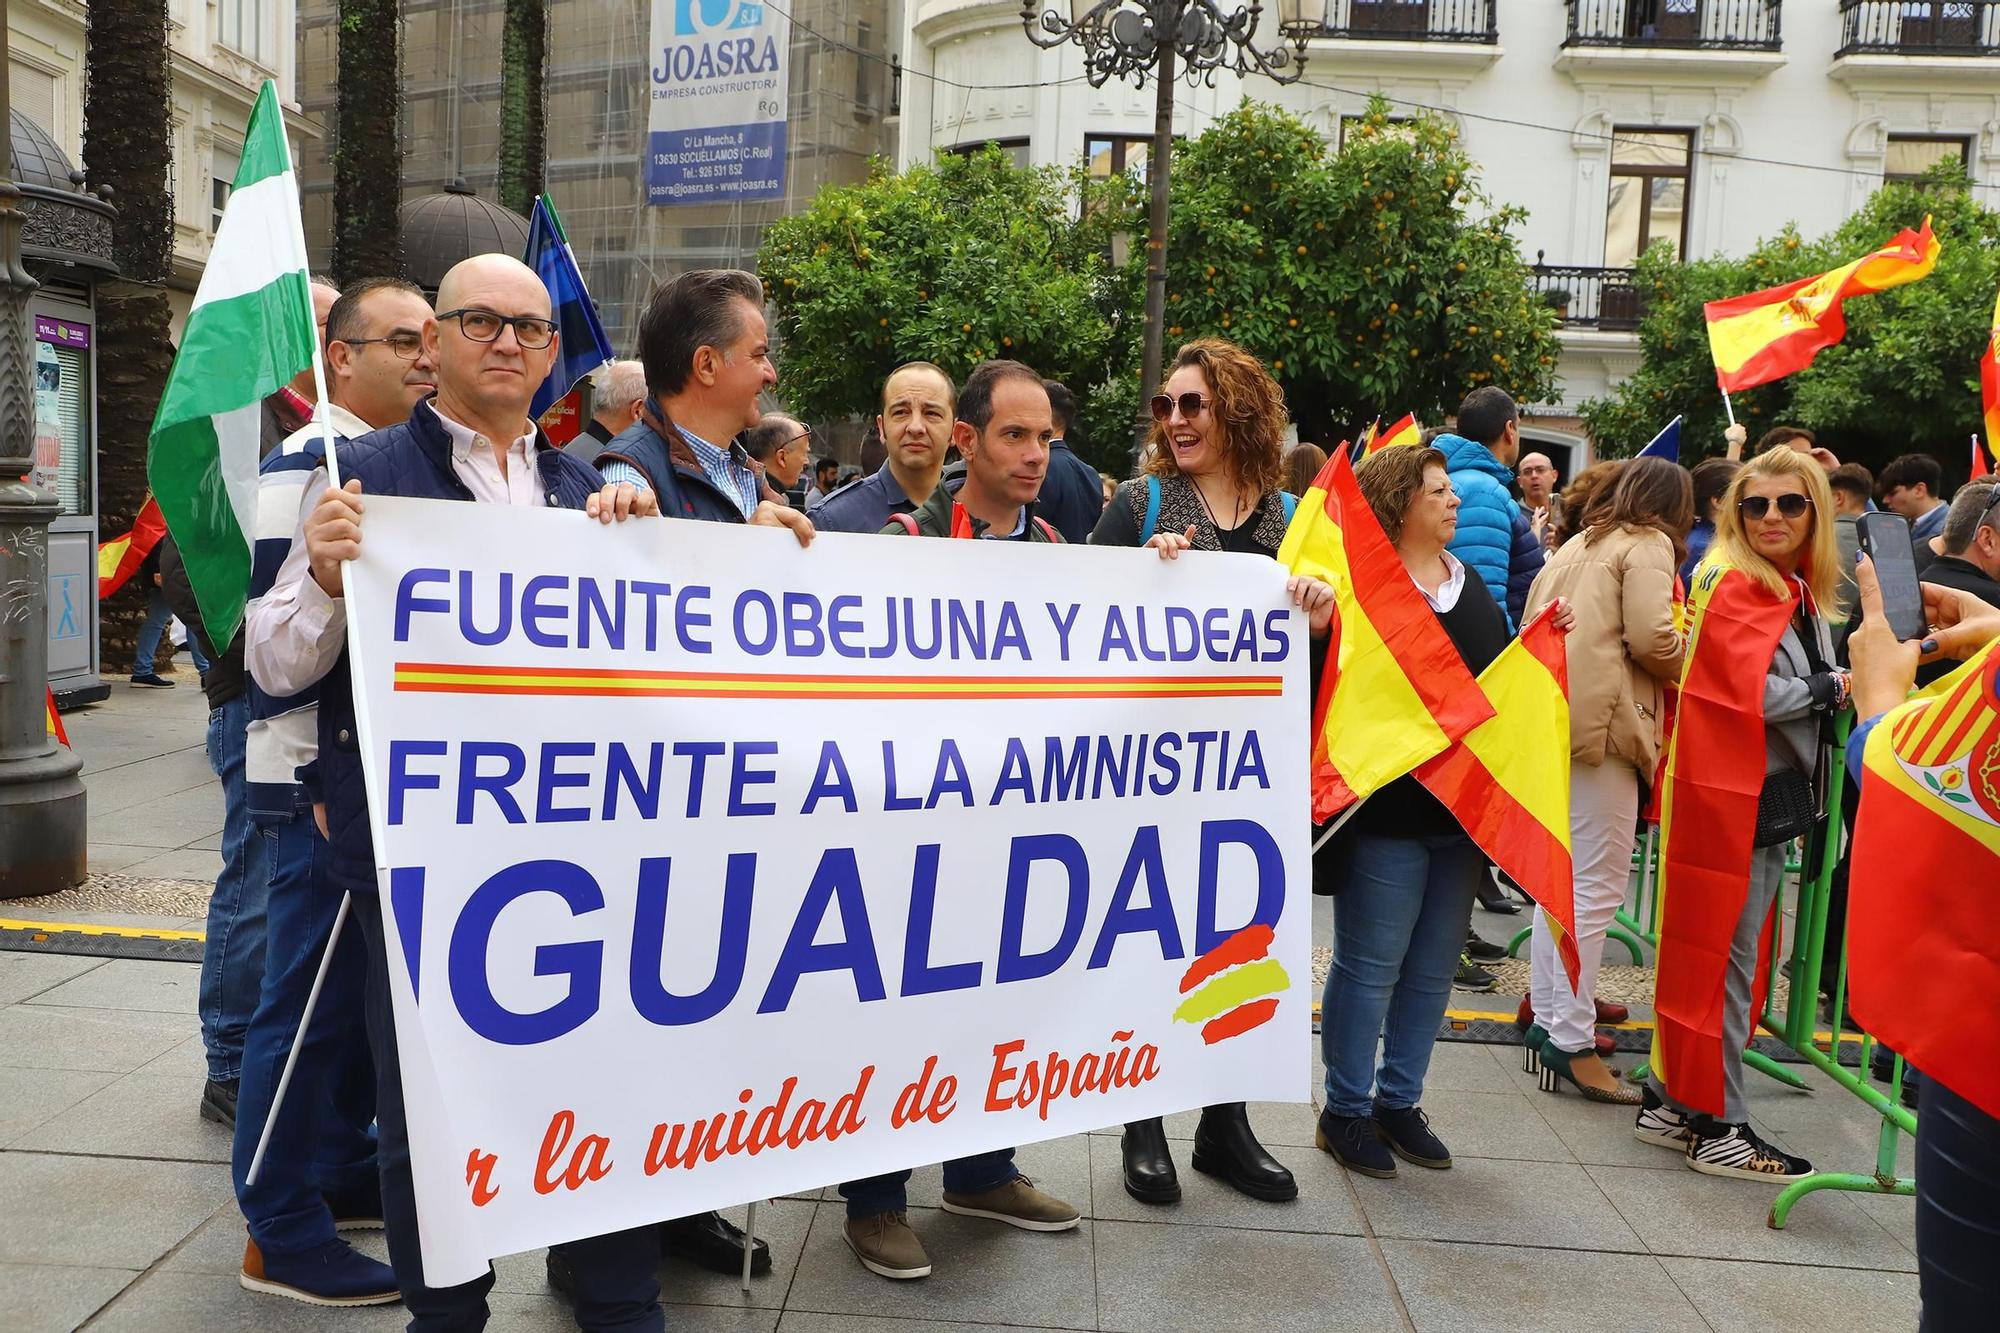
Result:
x=1624 y=650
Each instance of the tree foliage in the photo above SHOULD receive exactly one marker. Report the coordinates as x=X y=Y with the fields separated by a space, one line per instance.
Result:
x=368 y=150
x=1376 y=279
x=1905 y=377
x=957 y=262
x=524 y=40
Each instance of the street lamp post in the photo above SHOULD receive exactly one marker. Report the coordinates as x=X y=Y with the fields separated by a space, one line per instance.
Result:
x=1195 y=39
x=42 y=830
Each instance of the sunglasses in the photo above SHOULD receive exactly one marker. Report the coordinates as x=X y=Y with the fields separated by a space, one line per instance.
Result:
x=1191 y=405
x=1754 y=507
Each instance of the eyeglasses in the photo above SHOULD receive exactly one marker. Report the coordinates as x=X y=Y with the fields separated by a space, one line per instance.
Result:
x=405 y=345
x=1755 y=507
x=1191 y=405
x=803 y=435
x=484 y=326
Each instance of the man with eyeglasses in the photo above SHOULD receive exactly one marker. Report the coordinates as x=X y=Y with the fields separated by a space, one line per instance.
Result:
x=492 y=344
x=918 y=400
x=319 y=1172
x=1969 y=561
x=780 y=444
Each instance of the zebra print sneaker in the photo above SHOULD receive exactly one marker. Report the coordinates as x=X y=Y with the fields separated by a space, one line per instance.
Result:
x=1718 y=1149
x=1659 y=1124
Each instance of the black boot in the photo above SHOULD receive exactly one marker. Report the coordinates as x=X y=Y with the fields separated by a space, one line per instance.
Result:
x=1149 y=1167
x=1225 y=1147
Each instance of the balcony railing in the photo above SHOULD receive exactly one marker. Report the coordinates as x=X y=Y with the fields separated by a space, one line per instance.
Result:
x=1412 y=20
x=1587 y=298
x=1919 y=28
x=1694 y=25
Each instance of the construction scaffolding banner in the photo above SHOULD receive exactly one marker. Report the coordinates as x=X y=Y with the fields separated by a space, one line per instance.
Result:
x=717 y=127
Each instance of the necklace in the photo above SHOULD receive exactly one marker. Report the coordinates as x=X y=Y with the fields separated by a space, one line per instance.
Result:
x=1235 y=511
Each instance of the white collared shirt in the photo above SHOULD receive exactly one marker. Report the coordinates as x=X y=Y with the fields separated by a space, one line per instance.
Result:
x=473 y=459
x=1446 y=596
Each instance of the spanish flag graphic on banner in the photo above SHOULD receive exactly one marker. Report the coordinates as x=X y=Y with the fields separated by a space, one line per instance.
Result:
x=1923 y=917
x=1763 y=336
x=1395 y=691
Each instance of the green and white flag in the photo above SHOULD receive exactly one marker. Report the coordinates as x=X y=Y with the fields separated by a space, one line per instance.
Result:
x=251 y=330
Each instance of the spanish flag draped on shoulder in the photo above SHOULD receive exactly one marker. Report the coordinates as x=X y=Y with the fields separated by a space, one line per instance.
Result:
x=1507 y=781
x=1923 y=934
x=1708 y=824
x=1763 y=336
x=1394 y=691
x=251 y=329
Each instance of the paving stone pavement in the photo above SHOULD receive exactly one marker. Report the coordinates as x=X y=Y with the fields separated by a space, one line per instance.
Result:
x=116 y=1211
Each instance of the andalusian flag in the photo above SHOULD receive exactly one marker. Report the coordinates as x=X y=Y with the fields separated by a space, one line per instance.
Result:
x=1507 y=781
x=1763 y=336
x=1989 y=392
x=1708 y=824
x=1395 y=691
x=119 y=559
x=251 y=329
x=1923 y=936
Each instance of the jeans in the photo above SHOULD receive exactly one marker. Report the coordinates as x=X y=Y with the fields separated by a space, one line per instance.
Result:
x=1958 y=1211
x=158 y=613
x=1399 y=925
x=967 y=1175
x=322 y=1142
x=232 y=960
x=617 y=1290
x=1603 y=812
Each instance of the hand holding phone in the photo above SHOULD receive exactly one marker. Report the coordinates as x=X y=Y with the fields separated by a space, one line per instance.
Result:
x=1886 y=540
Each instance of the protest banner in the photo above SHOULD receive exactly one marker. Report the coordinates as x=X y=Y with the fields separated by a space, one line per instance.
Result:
x=716 y=869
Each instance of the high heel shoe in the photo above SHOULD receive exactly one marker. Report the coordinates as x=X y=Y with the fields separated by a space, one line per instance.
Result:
x=1559 y=1066
x=1531 y=1048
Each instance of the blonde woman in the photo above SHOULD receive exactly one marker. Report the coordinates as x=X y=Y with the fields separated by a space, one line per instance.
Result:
x=1758 y=663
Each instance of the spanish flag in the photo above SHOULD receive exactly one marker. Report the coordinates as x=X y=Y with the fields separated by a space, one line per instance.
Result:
x=1507 y=781
x=1763 y=336
x=1395 y=692
x=1989 y=393
x=1405 y=431
x=1923 y=940
x=55 y=726
x=1708 y=823
x=120 y=558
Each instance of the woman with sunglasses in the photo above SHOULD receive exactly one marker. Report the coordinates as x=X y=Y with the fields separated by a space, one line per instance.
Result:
x=1757 y=664
x=1213 y=481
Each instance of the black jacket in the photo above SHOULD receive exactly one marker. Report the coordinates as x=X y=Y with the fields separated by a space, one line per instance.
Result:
x=224 y=679
x=1072 y=494
x=1950 y=571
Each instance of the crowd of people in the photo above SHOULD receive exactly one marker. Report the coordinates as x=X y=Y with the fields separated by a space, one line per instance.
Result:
x=432 y=402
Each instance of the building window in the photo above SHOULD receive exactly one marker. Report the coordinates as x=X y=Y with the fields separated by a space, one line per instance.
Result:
x=865 y=66
x=1909 y=156
x=1650 y=173
x=242 y=28
x=1111 y=155
x=221 y=180
x=1015 y=149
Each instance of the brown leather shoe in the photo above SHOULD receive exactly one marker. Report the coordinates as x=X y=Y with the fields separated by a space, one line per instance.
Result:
x=1017 y=1203
x=886 y=1245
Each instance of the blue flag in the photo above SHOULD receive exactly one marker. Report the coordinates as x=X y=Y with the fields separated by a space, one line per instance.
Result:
x=1667 y=444
x=584 y=346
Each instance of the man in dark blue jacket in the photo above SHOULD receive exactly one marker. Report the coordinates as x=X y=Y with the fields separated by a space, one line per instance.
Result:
x=1494 y=537
x=1072 y=495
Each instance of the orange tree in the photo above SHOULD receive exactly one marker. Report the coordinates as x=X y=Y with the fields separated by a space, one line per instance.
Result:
x=1905 y=377
x=1373 y=279
x=955 y=262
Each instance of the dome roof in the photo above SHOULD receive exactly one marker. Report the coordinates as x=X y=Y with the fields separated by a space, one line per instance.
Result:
x=38 y=159
x=441 y=229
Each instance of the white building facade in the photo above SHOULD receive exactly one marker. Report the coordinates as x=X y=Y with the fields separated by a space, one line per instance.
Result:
x=1709 y=123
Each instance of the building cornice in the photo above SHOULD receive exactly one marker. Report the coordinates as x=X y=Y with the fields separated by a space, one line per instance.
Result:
x=1918 y=74
x=941 y=21
x=1444 y=59
x=1673 y=68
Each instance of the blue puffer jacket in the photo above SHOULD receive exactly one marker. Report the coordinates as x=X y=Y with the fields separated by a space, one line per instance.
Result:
x=1494 y=538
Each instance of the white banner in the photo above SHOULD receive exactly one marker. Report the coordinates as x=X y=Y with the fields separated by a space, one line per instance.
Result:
x=716 y=869
x=716 y=128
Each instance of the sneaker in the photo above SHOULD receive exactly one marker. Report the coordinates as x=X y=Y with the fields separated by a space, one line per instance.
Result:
x=1408 y=1134
x=1716 y=1148
x=887 y=1246
x=151 y=680
x=1017 y=1203
x=358 y=1207
x=334 y=1273
x=1659 y=1124
x=1484 y=951
x=1471 y=976
x=218 y=1102
x=1356 y=1143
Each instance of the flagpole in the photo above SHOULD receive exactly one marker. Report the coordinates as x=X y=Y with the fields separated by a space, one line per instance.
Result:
x=1727 y=410
x=1334 y=827
x=292 y=1056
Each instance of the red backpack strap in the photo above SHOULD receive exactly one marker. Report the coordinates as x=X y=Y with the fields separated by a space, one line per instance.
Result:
x=909 y=524
x=1048 y=533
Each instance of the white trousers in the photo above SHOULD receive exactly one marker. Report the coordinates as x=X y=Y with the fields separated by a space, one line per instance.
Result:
x=1603 y=812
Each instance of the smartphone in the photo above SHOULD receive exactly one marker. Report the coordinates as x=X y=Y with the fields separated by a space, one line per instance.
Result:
x=1886 y=539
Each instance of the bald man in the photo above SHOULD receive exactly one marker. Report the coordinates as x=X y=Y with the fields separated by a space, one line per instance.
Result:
x=492 y=342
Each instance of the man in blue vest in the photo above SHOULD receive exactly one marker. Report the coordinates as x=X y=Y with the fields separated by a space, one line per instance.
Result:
x=492 y=342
